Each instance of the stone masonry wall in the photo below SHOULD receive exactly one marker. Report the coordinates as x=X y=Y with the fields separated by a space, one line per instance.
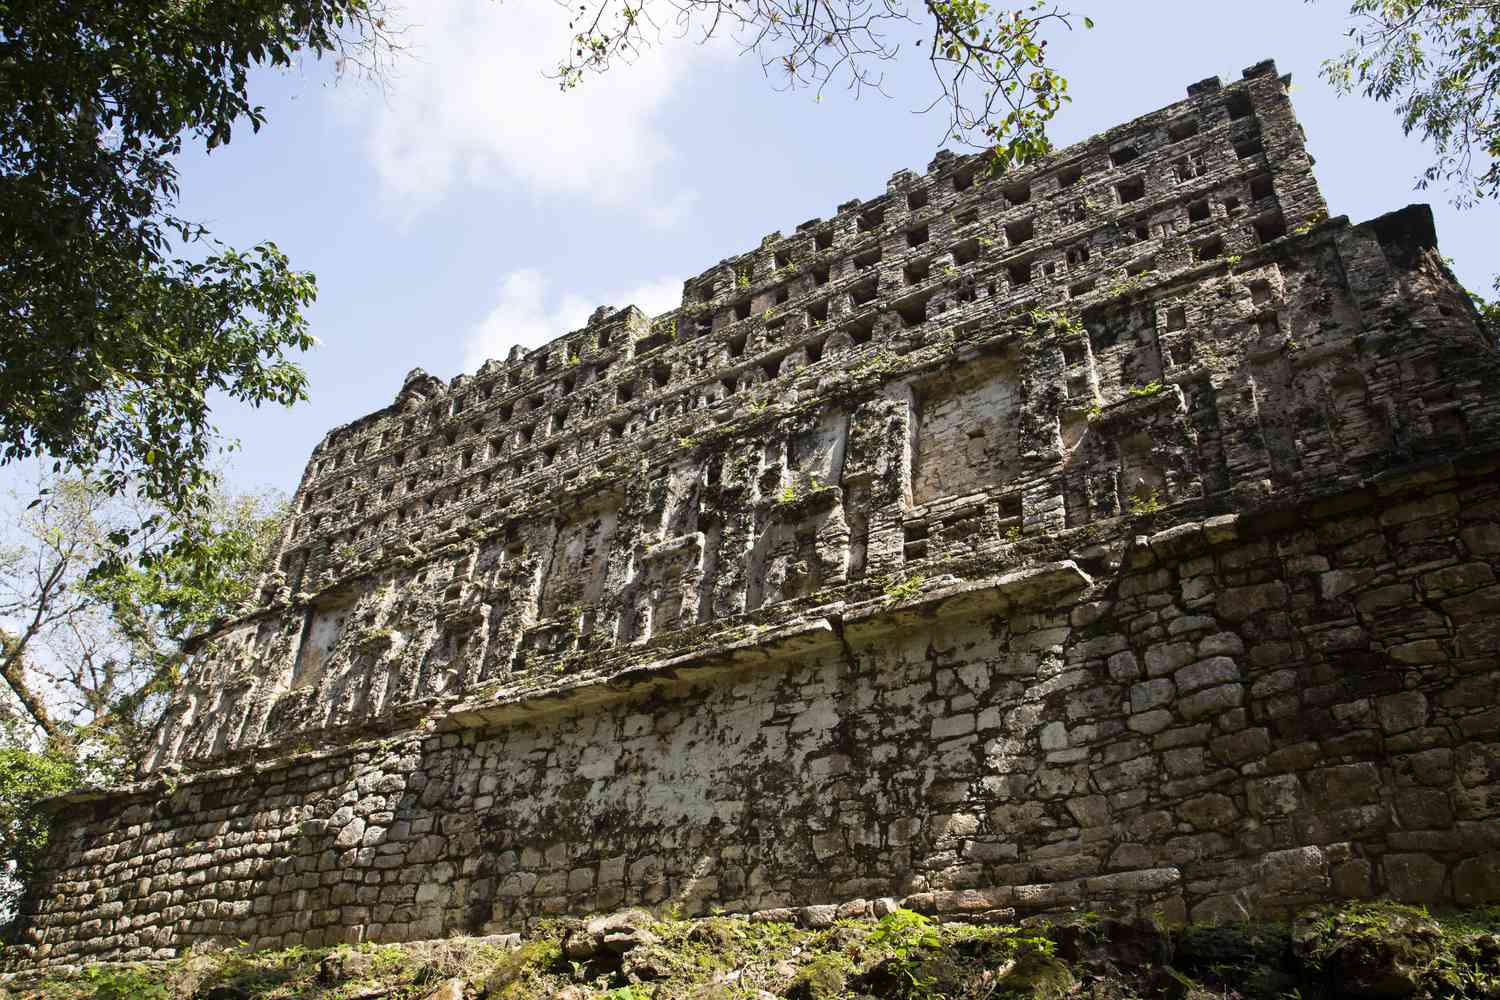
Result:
x=1117 y=533
x=1150 y=319
x=1227 y=718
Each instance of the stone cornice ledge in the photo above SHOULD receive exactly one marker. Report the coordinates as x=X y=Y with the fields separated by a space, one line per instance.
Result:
x=838 y=623
x=823 y=629
x=831 y=626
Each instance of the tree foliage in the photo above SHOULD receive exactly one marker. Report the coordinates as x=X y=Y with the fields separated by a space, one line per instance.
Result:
x=1438 y=63
x=118 y=317
x=990 y=64
x=1437 y=60
x=93 y=634
x=1489 y=313
x=26 y=778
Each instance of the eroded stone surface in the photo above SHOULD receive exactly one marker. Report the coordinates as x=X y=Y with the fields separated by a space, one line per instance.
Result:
x=1115 y=534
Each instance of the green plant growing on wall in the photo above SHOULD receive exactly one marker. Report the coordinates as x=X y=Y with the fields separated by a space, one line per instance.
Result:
x=1312 y=220
x=879 y=360
x=1127 y=286
x=742 y=277
x=788 y=493
x=1145 y=506
x=1059 y=321
x=896 y=589
x=1147 y=390
x=1014 y=534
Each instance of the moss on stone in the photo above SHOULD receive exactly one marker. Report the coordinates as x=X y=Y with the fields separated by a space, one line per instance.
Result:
x=1040 y=975
x=1385 y=949
x=1358 y=950
x=511 y=970
x=821 y=978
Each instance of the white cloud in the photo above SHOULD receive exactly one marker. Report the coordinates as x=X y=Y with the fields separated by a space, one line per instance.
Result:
x=471 y=106
x=526 y=314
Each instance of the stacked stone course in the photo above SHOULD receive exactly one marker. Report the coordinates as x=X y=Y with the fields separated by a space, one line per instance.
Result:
x=1119 y=533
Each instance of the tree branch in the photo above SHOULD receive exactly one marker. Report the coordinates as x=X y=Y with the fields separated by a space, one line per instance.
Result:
x=13 y=669
x=990 y=65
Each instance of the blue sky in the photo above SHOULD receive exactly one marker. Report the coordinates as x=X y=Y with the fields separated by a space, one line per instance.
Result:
x=471 y=205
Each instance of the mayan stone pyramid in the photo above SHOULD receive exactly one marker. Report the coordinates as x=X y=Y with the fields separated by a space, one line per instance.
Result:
x=1119 y=533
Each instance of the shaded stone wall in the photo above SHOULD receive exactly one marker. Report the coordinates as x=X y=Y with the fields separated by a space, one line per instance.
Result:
x=1230 y=717
x=1119 y=533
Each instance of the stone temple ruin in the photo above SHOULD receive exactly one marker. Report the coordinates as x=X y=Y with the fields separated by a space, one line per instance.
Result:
x=1119 y=533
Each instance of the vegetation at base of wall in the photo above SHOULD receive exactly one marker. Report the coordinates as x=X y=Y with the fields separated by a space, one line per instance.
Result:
x=26 y=777
x=1329 y=953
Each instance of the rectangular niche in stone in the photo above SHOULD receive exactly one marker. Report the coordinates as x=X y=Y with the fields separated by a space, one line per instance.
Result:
x=325 y=624
x=968 y=429
x=580 y=560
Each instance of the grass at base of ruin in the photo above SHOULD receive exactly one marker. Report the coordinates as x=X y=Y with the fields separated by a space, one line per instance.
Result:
x=1353 y=950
